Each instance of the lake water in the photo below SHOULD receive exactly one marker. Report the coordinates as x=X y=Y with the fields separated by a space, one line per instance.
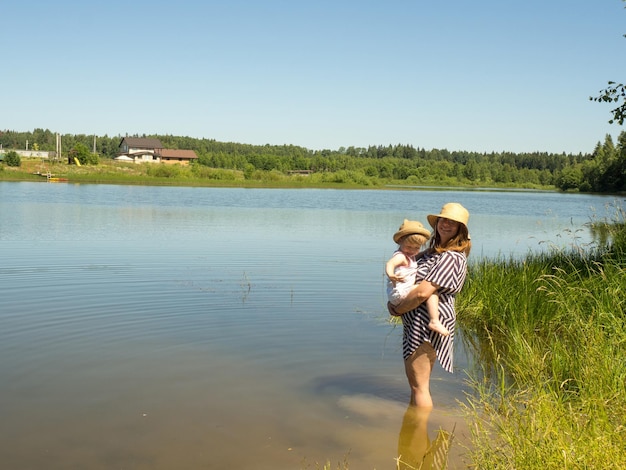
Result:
x=201 y=328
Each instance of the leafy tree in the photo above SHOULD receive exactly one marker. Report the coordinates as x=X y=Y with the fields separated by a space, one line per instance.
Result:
x=614 y=93
x=81 y=152
x=595 y=169
x=248 y=171
x=569 y=178
x=618 y=166
x=471 y=170
x=385 y=169
x=12 y=158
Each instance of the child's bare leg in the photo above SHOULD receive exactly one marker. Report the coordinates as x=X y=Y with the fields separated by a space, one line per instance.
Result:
x=438 y=327
x=432 y=305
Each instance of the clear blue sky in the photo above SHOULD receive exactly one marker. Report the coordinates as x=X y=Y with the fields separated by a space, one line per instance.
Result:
x=483 y=75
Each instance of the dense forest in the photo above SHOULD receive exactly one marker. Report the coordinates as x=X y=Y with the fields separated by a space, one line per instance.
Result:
x=604 y=170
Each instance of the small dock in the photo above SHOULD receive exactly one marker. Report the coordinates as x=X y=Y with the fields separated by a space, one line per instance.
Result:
x=50 y=177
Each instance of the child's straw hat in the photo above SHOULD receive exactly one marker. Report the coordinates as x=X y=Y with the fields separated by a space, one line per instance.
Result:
x=410 y=227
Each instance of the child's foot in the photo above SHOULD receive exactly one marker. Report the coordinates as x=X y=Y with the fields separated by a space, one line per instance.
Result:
x=438 y=327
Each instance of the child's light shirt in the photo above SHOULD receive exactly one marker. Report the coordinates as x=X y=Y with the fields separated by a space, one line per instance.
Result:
x=398 y=292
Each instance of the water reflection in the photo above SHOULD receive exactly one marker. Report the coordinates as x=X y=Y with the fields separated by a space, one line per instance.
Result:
x=425 y=437
x=415 y=448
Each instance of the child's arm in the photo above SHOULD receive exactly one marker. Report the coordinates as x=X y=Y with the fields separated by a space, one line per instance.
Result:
x=396 y=261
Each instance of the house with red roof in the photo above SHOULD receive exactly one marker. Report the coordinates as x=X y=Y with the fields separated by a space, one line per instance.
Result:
x=150 y=150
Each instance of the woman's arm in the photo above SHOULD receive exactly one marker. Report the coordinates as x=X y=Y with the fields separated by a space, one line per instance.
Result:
x=418 y=294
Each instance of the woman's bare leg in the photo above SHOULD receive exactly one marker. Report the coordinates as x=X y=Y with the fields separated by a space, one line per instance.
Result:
x=418 y=367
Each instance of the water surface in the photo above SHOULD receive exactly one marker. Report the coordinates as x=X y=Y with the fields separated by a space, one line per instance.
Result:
x=159 y=328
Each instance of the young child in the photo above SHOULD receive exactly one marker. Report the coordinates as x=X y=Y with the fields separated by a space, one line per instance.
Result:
x=401 y=270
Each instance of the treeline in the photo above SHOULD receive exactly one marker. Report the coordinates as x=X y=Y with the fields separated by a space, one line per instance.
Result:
x=403 y=164
x=603 y=171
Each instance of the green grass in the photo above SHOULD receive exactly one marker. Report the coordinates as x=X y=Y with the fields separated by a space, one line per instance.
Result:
x=149 y=174
x=549 y=336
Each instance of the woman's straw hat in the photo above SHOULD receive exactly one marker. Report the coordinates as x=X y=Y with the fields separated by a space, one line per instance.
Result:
x=410 y=227
x=453 y=211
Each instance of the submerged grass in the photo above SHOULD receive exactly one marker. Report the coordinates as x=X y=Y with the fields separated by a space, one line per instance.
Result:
x=550 y=337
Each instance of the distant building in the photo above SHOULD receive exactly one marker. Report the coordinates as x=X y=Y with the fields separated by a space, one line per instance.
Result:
x=29 y=153
x=139 y=150
x=178 y=156
x=149 y=150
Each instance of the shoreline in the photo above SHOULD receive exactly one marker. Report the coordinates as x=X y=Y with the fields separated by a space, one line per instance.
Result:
x=140 y=175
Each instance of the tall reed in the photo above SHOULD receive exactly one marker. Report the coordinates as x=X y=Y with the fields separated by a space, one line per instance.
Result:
x=550 y=337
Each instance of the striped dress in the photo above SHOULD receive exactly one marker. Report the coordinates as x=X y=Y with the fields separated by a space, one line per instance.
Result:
x=448 y=271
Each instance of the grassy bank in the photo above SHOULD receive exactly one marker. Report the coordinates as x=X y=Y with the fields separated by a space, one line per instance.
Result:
x=113 y=172
x=550 y=337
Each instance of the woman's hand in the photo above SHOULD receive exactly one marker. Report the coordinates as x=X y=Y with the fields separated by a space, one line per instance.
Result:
x=418 y=294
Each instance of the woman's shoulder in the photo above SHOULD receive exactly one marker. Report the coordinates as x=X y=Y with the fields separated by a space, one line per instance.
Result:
x=450 y=257
x=454 y=254
x=431 y=253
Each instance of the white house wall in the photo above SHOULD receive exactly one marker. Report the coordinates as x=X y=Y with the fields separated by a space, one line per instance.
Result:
x=146 y=158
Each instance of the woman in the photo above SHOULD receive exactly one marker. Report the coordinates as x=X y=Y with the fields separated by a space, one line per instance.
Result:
x=441 y=270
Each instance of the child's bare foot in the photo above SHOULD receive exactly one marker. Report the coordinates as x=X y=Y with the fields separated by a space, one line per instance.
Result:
x=438 y=327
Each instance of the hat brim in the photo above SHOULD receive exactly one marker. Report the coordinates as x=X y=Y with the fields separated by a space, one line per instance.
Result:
x=400 y=234
x=451 y=211
x=432 y=219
